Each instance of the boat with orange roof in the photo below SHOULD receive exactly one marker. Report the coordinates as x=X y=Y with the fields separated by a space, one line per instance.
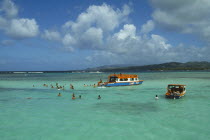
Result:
x=175 y=91
x=121 y=80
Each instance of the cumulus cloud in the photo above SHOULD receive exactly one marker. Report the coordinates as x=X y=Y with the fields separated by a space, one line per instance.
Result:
x=3 y=23
x=148 y=27
x=92 y=26
x=68 y=40
x=22 y=28
x=161 y=41
x=129 y=30
x=104 y=17
x=98 y=29
x=8 y=9
x=105 y=32
x=14 y=27
x=188 y=16
x=92 y=38
x=126 y=47
x=51 y=35
x=147 y=49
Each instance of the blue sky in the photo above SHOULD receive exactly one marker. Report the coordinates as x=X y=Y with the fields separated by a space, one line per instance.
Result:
x=68 y=35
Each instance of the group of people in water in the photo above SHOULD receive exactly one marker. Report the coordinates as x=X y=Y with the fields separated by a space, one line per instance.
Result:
x=80 y=96
x=94 y=85
x=62 y=87
x=59 y=87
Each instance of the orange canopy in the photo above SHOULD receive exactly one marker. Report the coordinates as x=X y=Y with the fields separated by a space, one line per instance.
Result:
x=121 y=76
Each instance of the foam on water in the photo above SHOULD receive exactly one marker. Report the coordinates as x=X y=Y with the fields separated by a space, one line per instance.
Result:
x=122 y=113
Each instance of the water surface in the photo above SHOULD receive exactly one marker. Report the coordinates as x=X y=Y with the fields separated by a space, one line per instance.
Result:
x=123 y=113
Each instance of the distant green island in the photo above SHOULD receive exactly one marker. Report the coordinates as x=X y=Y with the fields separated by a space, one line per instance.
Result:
x=171 y=66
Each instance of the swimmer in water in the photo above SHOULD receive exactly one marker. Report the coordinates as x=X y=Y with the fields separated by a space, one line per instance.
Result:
x=73 y=96
x=59 y=94
x=80 y=96
x=156 y=97
x=71 y=86
x=99 y=97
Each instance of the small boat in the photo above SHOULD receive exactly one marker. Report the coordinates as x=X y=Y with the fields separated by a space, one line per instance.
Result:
x=175 y=91
x=121 y=80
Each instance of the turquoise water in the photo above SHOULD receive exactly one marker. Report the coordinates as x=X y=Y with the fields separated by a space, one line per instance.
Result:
x=123 y=113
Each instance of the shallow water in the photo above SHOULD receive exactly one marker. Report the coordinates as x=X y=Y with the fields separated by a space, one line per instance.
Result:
x=123 y=113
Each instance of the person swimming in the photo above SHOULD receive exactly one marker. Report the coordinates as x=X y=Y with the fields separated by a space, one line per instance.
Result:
x=59 y=94
x=71 y=86
x=73 y=96
x=80 y=96
x=156 y=97
x=99 y=97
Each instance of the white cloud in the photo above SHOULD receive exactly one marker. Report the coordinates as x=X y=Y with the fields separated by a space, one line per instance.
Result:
x=125 y=47
x=98 y=30
x=14 y=27
x=51 y=35
x=93 y=26
x=9 y=9
x=147 y=49
x=156 y=39
x=92 y=38
x=148 y=27
x=95 y=29
x=188 y=16
x=68 y=40
x=22 y=28
x=67 y=26
x=3 y=22
x=129 y=30
x=104 y=17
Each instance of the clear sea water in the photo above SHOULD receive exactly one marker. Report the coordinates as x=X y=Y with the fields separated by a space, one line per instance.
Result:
x=123 y=113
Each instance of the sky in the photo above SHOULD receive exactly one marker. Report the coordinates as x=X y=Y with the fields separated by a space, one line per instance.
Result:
x=54 y=35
